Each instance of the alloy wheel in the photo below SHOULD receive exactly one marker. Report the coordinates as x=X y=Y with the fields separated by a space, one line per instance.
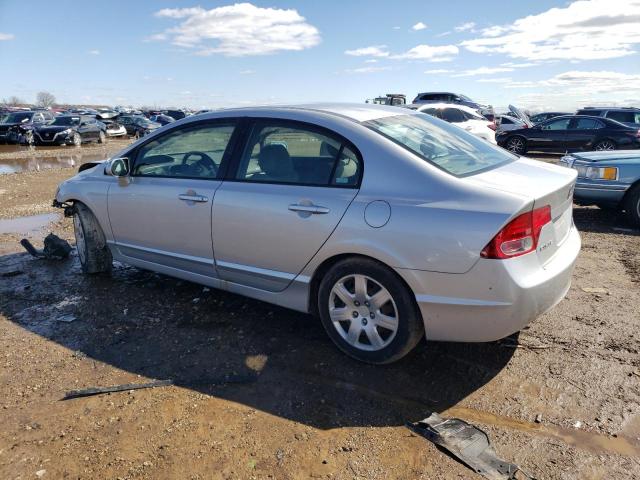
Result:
x=28 y=138
x=363 y=312
x=77 y=141
x=515 y=145
x=605 y=145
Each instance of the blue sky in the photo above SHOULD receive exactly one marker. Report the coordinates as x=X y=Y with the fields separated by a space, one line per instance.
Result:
x=542 y=55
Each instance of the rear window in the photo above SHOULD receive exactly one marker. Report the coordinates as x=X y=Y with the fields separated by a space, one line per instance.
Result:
x=441 y=144
x=623 y=117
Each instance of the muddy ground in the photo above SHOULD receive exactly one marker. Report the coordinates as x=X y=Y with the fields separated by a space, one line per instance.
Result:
x=260 y=391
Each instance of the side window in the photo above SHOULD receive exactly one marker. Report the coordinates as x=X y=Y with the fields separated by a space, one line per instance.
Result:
x=285 y=153
x=432 y=111
x=557 y=125
x=506 y=121
x=191 y=152
x=587 y=124
x=624 y=117
x=453 y=115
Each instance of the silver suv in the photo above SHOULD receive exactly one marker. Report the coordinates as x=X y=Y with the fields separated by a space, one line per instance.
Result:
x=627 y=115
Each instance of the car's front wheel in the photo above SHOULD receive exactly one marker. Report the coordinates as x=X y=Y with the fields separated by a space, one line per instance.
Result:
x=102 y=137
x=368 y=312
x=76 y=139
x=517 y=145
x=91 y=244
x=632 y=205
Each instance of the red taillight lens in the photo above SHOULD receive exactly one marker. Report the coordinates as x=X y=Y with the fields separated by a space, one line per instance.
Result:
x=519 y=236
x=492 y=126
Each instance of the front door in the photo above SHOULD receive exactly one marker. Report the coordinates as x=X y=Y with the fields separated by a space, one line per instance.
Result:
x=581 y=133
x=290 y=188
x=161 y=213
x=549 y=136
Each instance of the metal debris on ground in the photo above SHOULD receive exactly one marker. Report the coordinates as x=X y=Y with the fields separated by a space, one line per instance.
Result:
x=54 y=248
x=468 y=444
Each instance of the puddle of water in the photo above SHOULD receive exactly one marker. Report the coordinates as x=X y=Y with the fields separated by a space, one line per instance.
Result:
x=26 y=225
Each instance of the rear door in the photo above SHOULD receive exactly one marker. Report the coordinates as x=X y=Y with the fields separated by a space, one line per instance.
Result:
x=582 y=132
x=289 y=188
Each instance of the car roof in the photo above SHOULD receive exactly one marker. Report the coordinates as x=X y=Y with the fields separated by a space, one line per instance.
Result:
x=448 y=105
x=358 y=112
x=622 y=109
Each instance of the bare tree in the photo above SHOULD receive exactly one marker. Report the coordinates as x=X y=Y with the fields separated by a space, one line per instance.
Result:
x=12 y=101
x=45 y=99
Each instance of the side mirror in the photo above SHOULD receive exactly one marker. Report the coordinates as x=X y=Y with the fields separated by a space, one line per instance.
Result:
x=118 y=167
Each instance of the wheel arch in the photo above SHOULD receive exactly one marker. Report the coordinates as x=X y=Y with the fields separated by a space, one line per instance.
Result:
x=634 y=186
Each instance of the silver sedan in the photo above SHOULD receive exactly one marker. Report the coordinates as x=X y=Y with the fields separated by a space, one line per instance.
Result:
x=389 y=225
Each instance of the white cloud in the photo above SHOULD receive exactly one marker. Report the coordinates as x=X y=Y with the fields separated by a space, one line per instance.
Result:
x=396 y=28
x=371 y=60
x=442 y=53
x=418 y=26
x=6 y=36
x=464 y=27
x=483 y=71
x=519 y=65
x=94 y=52
x=367 y=70
x=584 y=30
x=495 y=80
x=247 y=72
x=238 y=30
x=372 y=51
x=438 y=71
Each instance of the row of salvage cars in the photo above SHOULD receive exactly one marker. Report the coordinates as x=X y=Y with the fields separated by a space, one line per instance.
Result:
x=41 y=127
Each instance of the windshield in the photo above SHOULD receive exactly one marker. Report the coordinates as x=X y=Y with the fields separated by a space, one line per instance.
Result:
x=66 y=121
x=17 y=117
x=445 y=146
x=143 y=122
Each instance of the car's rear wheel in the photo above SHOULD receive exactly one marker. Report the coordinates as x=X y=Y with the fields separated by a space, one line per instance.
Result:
x=102 y=137
x=603 y=145
x=94 y=254
x=29 y=139
x=77 y=139
x=632 y=205
x=517 y=145
x=368 y=312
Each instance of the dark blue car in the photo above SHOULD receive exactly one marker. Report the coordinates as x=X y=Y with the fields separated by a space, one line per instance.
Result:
x=608 y=179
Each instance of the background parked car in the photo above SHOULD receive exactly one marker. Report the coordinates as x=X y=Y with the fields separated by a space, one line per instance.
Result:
x=461 y=116
x=162 y=119
x=505 y=123
x=114 y=129
x=175 y=114
x=541 y=117
x=17 y=125
x=571 y=133
x=137 y=125
x=610 y=180
x=629 y=116
x=457 y=98
x=68 y=130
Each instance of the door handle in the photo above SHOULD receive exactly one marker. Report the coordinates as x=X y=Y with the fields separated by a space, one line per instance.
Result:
x=316 y=209
x=192 y=198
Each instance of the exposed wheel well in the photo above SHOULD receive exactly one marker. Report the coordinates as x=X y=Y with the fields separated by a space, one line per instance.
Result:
x=631 y=189
x=324 y=267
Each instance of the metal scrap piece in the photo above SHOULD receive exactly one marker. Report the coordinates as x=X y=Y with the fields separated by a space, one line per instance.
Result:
x=468 y=444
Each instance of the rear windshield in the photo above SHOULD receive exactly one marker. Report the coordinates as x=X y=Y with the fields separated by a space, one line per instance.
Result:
x=444 y=145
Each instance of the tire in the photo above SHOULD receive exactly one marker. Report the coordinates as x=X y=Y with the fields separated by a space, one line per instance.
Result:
x=102 y=137
x=517 y=145
x=29 y=139
x=632 y=205
x=382 y=333
x=94 y=254
x=77 y=139
x=605 y=145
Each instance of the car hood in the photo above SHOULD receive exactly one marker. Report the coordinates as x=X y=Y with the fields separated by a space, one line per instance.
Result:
x=521 y=115
x=608 y=155
x=52 y=128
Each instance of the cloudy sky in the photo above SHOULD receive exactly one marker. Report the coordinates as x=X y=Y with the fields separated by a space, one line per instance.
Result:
x=538 y=54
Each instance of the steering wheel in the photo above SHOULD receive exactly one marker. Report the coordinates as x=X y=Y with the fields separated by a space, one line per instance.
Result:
x=204 y=165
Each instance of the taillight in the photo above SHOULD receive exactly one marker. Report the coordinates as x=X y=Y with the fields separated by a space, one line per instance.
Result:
x=638 y=133
x=519 y=236
x=492 y=126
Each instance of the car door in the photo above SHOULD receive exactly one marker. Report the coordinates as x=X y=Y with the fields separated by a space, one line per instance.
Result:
x=549 y=136
x=161 y=212
x=86 y=130
x=582 y=132
x=290 y=186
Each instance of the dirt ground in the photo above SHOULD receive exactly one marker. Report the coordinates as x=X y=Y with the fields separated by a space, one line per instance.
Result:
x=260 y=391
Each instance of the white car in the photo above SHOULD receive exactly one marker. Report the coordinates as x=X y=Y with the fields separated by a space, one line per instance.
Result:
x=115 y=130
x=462 y=116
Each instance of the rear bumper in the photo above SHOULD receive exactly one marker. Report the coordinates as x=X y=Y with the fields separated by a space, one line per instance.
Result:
x=494 y=299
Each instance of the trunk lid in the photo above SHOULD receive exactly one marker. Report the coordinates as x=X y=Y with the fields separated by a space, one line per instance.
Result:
x=544 y=184
x=521 y=115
